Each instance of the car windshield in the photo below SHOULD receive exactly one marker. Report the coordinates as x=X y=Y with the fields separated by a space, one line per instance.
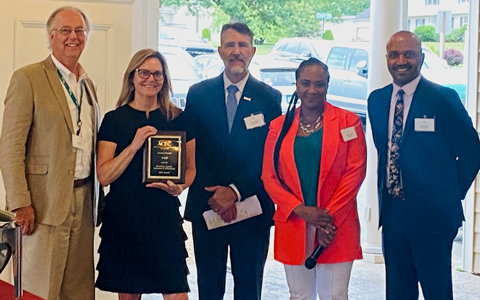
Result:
x=178 y=34
x=278 y=77
x=180 y=69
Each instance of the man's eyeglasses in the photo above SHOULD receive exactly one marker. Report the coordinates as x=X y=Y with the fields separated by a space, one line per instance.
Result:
x=144 y=74
x=80 y=32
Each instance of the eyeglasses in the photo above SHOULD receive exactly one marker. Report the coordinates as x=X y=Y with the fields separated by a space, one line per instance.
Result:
x=80 y=32
x=144 y=74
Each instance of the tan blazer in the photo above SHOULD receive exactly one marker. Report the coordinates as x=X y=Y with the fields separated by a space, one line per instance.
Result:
x=37 y=158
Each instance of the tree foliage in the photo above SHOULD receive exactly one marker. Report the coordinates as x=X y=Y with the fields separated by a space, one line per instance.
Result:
x=271 y=19
x=456 y=35
x=426 y=33
x=328 y=35
x=352 y=7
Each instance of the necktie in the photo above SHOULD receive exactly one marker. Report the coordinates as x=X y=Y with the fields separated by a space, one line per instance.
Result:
x=394 y=187
x=231 y=105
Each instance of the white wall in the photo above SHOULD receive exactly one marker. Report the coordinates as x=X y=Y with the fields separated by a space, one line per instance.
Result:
x=24 y=41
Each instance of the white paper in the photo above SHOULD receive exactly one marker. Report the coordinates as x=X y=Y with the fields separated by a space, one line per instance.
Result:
x=248 y=208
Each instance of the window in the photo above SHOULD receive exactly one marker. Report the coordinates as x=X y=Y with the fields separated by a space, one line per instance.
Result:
x=432 y=2
x=357 y=57
x=337 y=59
x=453 y=23
x=463 y=21
x=419 y=22
x=302 y=48
x=463 y=1
x=291 y=47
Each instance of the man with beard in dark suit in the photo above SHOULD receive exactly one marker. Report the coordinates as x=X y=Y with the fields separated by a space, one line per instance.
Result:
x=230 y=114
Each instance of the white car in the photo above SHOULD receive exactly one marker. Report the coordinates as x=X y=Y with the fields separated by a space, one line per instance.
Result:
x=348 y=67
x=185 y=39
x=182 y=74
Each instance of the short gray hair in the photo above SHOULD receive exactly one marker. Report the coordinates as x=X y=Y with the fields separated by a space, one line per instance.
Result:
x=51 y=21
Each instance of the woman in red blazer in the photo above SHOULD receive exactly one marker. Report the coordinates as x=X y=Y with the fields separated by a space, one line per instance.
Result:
x=314 y=164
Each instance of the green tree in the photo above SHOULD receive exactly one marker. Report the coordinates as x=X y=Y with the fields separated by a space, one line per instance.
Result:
x=328 y=35
x=352 y=7
x=426 y=33
x=456 y=35
x=268 y=19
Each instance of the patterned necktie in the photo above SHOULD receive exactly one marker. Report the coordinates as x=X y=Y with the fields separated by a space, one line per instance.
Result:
x=231 y=105
x=394 y=187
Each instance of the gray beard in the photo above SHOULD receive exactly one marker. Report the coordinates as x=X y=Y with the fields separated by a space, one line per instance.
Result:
x=237 y=70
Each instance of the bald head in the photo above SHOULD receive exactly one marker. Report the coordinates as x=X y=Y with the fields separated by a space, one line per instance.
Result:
x=405 y=37
x=404 y=57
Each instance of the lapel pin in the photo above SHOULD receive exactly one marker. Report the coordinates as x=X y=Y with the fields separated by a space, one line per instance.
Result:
x=246 y=98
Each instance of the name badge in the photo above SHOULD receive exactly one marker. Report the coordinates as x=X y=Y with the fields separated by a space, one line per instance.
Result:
x=77 y=141
x=425 y=124
x=255 y=120
x=348 y=134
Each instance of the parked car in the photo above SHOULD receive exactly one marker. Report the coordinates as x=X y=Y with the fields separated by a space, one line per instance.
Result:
x=182 y=76
x=181 y=53
x=301 y=48
x=348 y=66
x=278 y=73
x=206 y=60
x=185 y=39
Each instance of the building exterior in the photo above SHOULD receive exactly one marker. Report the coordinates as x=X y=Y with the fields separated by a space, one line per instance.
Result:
x=424 y=12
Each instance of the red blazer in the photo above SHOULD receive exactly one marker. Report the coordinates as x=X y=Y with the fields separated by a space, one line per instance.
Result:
x=342 y=170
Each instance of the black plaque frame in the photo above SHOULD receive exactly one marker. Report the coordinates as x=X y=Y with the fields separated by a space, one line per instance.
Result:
x=164 y=157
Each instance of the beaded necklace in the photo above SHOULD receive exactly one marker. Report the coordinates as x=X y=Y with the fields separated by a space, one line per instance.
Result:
x=309 y=128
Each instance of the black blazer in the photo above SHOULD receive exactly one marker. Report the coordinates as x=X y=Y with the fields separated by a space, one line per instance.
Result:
x=223 y=158
x=437 y=168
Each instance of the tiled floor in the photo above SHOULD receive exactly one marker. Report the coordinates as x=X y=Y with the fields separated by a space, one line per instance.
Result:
x=367 y=280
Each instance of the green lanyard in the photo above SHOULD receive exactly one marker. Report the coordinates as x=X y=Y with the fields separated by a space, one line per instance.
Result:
x=78 y=104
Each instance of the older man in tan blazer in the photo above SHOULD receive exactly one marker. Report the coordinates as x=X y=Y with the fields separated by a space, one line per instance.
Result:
x=47 y=160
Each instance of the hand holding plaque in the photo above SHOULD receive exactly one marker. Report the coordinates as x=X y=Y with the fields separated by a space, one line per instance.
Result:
x=164 y=157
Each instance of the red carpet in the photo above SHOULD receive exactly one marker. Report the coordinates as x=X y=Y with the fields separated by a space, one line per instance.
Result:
x=6 y=293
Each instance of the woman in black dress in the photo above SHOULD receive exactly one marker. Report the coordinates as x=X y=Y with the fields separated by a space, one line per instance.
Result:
x=143 y=243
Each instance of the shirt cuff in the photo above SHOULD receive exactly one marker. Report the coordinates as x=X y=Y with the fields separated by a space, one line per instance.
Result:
x=239 y=197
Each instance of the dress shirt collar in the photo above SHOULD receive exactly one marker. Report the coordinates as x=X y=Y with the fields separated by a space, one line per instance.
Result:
x=408 y=88
x=240 y=85
x=69 y=75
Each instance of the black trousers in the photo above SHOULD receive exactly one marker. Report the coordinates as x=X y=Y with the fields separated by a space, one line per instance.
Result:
x=248 y=244
x=413 y=257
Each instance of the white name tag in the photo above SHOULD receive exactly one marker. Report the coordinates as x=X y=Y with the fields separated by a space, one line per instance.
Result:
x=77 y=141
x=425 y=124
x=254 y=121
x=348 y=134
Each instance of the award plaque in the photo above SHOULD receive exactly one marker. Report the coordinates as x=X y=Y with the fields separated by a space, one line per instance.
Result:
x=164 y=157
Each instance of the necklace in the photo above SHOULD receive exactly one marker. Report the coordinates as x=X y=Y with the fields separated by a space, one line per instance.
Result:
x=309 y=128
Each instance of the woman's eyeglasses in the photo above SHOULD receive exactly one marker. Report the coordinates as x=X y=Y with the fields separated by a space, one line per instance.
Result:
x=144 y=74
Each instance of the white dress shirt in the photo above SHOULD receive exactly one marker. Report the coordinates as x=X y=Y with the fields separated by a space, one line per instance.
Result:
x=409 y=90
x=240 y=85
x=84 y=156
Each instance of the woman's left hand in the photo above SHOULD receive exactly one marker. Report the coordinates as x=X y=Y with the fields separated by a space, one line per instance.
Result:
x=169 y=187
x=325 y=235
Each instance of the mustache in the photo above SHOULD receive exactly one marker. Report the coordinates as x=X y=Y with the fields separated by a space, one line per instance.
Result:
x=234 y=57
x=401 y=66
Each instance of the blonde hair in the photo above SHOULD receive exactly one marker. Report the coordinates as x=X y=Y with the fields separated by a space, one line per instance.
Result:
x=51 y=21
x=127 y=94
